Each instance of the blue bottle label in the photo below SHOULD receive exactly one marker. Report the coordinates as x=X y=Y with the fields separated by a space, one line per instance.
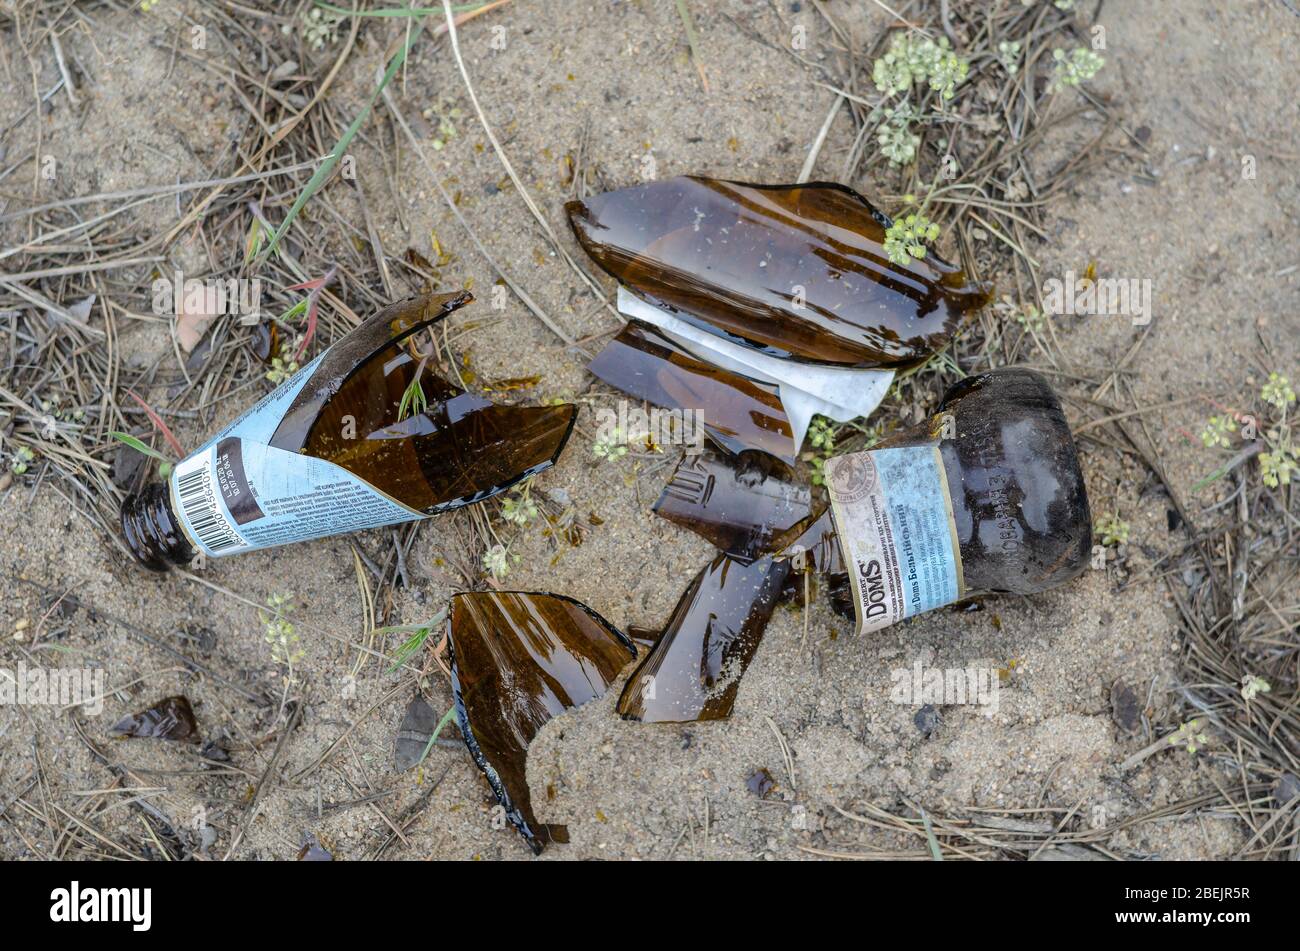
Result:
x=238 y=493
x=894 y=519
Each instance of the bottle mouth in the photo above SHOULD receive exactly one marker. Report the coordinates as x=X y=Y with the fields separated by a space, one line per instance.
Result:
x=151 y=534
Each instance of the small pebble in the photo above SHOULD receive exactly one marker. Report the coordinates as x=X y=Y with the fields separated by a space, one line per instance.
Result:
x=927 y=719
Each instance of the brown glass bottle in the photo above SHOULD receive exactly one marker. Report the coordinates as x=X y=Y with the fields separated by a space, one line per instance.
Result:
x=1019 y=507
x=332 y=451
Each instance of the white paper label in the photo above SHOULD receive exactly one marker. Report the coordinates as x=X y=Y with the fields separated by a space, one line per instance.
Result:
x=238 y=493
x=894 y=520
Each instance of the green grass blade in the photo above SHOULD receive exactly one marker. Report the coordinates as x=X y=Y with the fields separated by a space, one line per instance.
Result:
x=138 y=446
x=935 y=851
x=420 y=633
x=397 y=11
x=414 y=402
x=408 y=647
x=446 y=718
x=294 y=311
x=327 y=166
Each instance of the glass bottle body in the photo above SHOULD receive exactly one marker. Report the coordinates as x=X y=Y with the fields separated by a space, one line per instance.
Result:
x=364 y=436
x=1016 y=499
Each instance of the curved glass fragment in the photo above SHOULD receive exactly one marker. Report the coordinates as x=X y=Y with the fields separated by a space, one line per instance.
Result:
x=355 y=352
x=739 y=503
x=694 y=669
x=518 y=660
x=171 y=718
x=738 y=413
x=794 y=270
x=456 y=449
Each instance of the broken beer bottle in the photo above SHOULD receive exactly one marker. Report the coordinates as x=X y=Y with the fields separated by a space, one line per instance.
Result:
x=764 y=304
x=986 y=496
x=339 y=447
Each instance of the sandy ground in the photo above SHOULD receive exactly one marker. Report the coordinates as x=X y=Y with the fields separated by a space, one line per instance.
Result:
x=1207 y=82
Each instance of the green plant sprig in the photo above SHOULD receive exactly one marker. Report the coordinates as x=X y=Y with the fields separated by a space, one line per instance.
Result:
x=164 y=464
x=413 y=402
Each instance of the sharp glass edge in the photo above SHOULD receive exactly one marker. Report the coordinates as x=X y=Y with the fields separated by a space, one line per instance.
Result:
x=840 y=393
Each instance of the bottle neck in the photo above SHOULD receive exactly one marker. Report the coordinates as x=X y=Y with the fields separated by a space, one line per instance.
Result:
x=153 y=532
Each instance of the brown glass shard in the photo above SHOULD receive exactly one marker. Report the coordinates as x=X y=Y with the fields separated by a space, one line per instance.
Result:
x=739 y=413
x=749 y=506
x=694 y=670
x=355 y=352
x=266 y=341
x=460 y=449
x=760 y=782
x=642 y=638
x=214 y=752
x=813 y=549
x=739 y=503
x=313 y=851
x=519 y=660
x=815 y=536
x=794 y=270
x=171 y=718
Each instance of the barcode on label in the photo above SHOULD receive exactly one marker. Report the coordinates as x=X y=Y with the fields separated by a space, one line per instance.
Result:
x=200 y=508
